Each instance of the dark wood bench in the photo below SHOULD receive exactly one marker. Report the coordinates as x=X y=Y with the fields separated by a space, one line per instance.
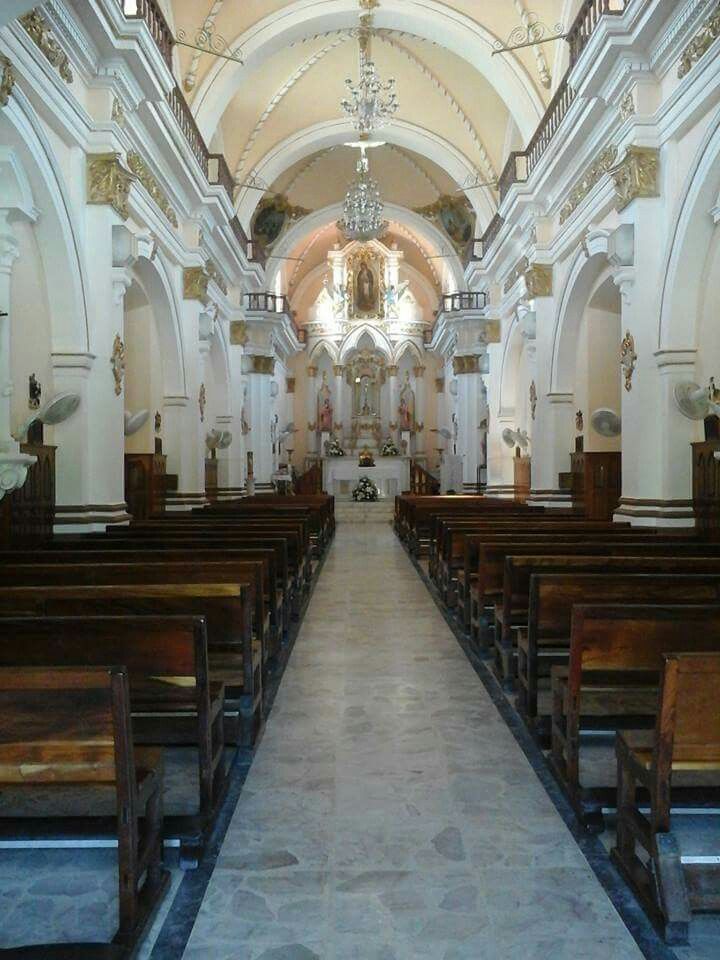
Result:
x=171 y=697
x=71 y=728
x=234 y=658
x=686 y=737
x=611 y=680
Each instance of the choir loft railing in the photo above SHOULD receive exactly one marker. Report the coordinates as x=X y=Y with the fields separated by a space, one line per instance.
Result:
x=521 y=163
x=149 y=11
x=264 y=302
x=465 y=300
x=492 y=230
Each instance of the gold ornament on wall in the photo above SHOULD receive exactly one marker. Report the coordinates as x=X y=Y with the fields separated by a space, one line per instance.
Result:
x=195 y=284
x=637 y=175
x=590 y=178
x=141 y=170
x=579 y=421
x=700 y=43
x=533 y=399
x=628 y=358
x=202 y=402
x=539 y=280
x=7 y=80
x=117 y=362
x=37 y=29
x=117 y=114
x=108 y=182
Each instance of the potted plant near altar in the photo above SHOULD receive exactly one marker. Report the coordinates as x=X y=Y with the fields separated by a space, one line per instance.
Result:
x=389 y=448
x=333 y=448
x=365 y=491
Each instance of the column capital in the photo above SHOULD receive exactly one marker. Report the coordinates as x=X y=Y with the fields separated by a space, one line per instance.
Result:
x=338 y=369
x=418 y=372
x=312 y=372
x=393 y=370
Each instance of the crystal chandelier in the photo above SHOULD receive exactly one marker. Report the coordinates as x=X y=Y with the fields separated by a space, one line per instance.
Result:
x=372 y=102
x=363 y=208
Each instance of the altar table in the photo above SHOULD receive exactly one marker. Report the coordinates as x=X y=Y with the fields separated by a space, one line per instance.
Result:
x=391 y=475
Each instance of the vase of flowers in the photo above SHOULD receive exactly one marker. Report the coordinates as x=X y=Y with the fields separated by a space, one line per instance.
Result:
x=389 y=448
x=333 y=448
x=365 y=491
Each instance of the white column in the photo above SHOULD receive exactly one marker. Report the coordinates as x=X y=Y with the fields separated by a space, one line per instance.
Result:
x=420 y=411
x=554 y=430
x=470 y=398
x=13 y=464
x=259 y=436
x=338 y=412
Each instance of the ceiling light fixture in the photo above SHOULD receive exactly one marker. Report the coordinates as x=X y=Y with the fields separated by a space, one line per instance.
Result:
x=363 y=208
x=372 y=102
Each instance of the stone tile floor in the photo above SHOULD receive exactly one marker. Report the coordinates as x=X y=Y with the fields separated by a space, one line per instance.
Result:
x=389 y=813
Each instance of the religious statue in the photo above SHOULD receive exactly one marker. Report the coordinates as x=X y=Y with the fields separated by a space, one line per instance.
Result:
x=325 y=409
x=339 y=298
x=365 y=288
x=244 y=425
x=393 y=298
x=365 y=398
x=274 y=432
x=455 y=431
x=406 y=410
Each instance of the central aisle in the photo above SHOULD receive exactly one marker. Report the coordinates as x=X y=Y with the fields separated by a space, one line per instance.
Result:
x=390 y=814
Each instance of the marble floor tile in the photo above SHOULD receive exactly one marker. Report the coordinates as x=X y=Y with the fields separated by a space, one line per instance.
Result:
x=389 y=813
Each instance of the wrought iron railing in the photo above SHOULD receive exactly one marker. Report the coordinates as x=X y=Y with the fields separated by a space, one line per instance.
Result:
x=264 y=302
x=219 y=172
x=240 y=235
x=184 y=117
x=493 y=229
x=150 y=12
x=465 y=300
x=521 y=163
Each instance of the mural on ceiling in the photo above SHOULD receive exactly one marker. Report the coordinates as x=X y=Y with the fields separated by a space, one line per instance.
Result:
x=273 y=217
x=455 y=217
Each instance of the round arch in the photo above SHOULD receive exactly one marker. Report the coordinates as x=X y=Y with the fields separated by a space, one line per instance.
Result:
x=691 y=239
x=429 y=20
x=512 y=351
x=25 y=145
x=154 y=279
x=330 y=133
x=320 y=218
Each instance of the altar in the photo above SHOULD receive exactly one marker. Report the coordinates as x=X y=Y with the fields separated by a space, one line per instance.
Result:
x=391 y=475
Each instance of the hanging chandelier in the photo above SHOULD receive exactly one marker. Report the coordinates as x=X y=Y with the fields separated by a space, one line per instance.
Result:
x=363 y=208
x=372 y=102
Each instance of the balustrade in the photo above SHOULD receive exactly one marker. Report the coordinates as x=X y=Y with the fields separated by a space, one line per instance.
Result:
x=150 y=12
x=220 y=173
x=183 y=115
x=465 y=300
x=493 y=229
x=240 y=235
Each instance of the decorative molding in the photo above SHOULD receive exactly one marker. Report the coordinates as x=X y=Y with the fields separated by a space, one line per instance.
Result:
x=469 y=363
x=108 y=182
x=532 y=393
x=202 y=402
x=393 y=370
x=265 y=365
x=117 y=114
x=628 y=358
x=700 y=43
x=37 y=29
x=418 y=372
x=627 y=106
x=195 y=284
x=141 y=170
x=637 y=175
x=211 y=268
x=590 y=178
x=539 y=280
x=117 y=363
x=238 y=333
x=7 y=80
x=517 y=271
x=338 y=369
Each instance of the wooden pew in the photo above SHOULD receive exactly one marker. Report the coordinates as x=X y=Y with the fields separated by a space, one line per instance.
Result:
x=612 y=677
x=72 y=727
x=234 y=659
x=686 y=737
x=546 y=642
x=171 y=697
x=144 y=570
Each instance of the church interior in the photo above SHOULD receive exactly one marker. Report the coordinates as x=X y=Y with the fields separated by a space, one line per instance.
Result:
x=360 y=479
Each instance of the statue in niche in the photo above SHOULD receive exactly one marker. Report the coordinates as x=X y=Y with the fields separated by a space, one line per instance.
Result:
x=274 y=432
x=365 y=397
x=406 y=410
x=325 y=409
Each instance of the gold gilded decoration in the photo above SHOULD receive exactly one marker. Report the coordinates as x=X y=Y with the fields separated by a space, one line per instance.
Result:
x=490 y=332
x=365 y=285
x=108 y=182
x=238 y=333
x=195 y=284
x=539 y=280
x=592 y=176
x=142 y=172
x=533 y=399
x=37 y=29
x=312 y=427
x=7 y=80
x=338 y=369
x=517 y=271
x=263 y=365
x=700 y=43
x=627 y=106
x=365 y=458
x=579 y=421
x=636 y=176
x=202 y=402
x=117 y=114
x=290 y=384
x=117 y=362
x=466 y=364
x=213 y=272
x=440 y=384
x=456 y=218
x=628 y=358
x=312 y=372
x=393 y=370
x=418 y=372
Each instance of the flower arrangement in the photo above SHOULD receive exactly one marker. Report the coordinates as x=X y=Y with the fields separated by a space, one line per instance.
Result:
x=365 y=490
x=389 y=448
x=333 y=448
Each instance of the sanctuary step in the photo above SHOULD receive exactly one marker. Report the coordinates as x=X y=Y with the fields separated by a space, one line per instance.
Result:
x=352 y=512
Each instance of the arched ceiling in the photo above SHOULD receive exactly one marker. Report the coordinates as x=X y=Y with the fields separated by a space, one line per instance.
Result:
x=277 y=116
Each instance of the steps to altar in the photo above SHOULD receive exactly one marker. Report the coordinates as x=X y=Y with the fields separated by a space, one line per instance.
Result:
x=352 y=512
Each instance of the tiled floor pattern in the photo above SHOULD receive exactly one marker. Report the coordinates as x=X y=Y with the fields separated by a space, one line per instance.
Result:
x=389 y=813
